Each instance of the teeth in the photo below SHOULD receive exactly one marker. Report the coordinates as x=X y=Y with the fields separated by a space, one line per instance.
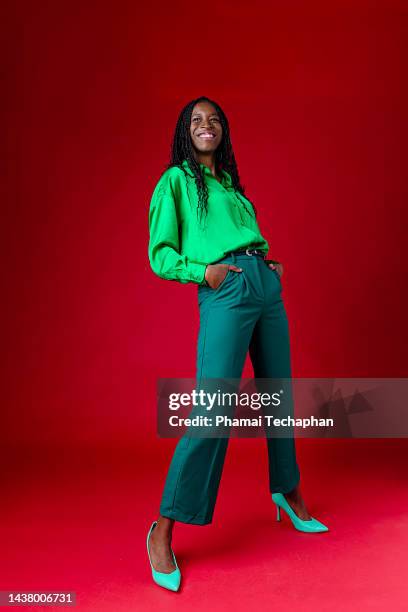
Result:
x=207 y=136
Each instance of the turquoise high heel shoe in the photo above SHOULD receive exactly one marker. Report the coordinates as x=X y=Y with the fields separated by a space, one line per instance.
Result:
x=168 y=581
x=310 y=526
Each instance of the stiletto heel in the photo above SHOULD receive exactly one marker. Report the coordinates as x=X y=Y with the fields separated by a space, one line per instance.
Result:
x=310 y=526
x=169 y=581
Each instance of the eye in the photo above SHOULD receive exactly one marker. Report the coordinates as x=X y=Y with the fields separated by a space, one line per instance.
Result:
x=195 y=119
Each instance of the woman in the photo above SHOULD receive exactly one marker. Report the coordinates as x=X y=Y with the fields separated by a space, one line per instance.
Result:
x=203 y=229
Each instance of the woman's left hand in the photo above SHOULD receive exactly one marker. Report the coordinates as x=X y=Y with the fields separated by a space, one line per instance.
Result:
x=278 y=267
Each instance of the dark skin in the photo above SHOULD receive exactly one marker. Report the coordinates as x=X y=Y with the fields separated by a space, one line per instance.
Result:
x=206 y=135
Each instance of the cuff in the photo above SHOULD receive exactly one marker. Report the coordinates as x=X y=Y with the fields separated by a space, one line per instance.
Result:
x=197 y=273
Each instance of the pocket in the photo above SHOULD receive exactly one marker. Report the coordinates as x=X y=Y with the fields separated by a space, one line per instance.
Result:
x=277 y=276
x=223 y=280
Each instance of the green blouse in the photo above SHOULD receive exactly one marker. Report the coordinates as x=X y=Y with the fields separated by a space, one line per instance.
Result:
x=181 y=246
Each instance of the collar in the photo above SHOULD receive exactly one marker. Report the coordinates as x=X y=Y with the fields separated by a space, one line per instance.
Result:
x=225 y=176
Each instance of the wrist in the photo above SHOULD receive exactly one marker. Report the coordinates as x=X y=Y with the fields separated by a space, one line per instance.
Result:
x=204 y=281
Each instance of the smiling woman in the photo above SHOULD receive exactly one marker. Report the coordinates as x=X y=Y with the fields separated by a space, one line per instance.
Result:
x=203 y=229
x=205 y=139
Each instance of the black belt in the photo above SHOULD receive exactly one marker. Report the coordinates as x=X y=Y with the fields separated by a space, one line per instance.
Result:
x=247 y=252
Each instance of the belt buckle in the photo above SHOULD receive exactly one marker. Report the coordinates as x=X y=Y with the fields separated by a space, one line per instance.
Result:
x=248 y=252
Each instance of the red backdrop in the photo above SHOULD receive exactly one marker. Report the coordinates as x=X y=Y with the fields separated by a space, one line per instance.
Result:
x=316 y=97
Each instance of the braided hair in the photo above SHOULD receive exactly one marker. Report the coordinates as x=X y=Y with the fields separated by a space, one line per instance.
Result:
x=182 y=148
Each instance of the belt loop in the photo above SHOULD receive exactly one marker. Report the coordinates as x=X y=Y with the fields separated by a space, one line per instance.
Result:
x=233 y=257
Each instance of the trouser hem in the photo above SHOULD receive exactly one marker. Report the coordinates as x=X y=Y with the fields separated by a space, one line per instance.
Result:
x=185 y=518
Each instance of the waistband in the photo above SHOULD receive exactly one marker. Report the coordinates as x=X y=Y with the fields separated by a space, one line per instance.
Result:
x=246 y=252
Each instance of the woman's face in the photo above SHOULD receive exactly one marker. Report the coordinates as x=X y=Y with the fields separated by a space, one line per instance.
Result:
x=205 y=128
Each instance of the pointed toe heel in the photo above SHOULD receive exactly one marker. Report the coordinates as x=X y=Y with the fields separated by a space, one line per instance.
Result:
x=310 y=526
x=169 y=581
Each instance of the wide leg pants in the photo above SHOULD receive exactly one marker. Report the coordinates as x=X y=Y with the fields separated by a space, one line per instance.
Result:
x=245 y=313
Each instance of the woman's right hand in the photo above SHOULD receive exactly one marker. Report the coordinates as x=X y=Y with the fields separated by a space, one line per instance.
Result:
x=215 y=273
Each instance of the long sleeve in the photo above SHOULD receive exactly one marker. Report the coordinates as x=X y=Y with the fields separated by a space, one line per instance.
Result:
x=164 y=244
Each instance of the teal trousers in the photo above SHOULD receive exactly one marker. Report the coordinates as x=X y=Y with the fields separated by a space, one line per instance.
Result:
x=245 y=313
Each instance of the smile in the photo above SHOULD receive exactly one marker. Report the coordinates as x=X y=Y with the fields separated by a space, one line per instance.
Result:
x=206 y=135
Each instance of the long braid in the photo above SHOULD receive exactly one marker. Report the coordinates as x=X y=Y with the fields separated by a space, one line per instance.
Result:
x=182 y=148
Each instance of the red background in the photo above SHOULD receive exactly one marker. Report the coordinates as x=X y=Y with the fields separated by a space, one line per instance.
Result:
x=316 y=96
x=317 y=104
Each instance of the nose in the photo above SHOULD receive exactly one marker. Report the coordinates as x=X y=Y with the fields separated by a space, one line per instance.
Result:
x=205 y=124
